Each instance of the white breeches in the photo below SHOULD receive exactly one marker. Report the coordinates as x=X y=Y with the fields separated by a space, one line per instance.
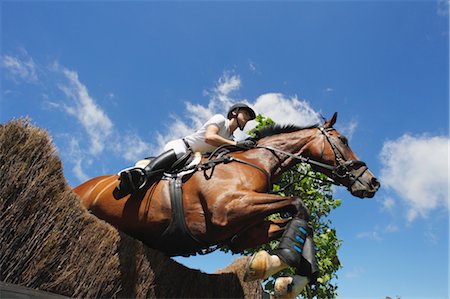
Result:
x=178 y=146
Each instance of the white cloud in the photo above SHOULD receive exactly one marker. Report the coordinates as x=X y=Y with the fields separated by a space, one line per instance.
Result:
x=252 y=66
x=82 y=106
x=431 y=237
x=132 y=148
x=220 y=95
x=355 y=272
x=371 y=235
x=443 y=7
x=228 y=83
x=77 y=157
x=416 y=169
x=391 y=228
x=348 y=129
x=20 y=68
x=286 y=110
x=388 y=204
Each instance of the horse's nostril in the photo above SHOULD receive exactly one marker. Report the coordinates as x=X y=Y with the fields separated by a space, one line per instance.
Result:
x=375 y=183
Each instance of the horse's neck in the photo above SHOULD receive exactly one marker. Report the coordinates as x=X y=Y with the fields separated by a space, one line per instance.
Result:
x=295 y=143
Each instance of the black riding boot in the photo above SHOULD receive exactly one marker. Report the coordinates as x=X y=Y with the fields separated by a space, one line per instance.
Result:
x=297 y=249
x=137 y=178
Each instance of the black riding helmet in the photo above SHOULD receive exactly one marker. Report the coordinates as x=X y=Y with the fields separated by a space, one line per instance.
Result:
x=237 y=107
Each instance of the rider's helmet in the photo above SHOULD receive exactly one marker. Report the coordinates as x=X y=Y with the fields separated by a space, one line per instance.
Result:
x=237 y=107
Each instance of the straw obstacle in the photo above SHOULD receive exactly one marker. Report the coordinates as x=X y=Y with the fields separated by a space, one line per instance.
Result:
x=49 y=242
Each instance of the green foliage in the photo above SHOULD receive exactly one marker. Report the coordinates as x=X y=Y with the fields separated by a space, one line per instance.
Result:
x=262 y=122
x=316 y=192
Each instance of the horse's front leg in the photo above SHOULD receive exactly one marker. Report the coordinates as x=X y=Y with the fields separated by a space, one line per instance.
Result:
x=253 y=205
x=258 y=234
x=296 y=247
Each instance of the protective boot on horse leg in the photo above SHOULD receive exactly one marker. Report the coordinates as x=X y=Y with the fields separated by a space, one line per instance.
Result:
x=137 y=178
x=296 y=249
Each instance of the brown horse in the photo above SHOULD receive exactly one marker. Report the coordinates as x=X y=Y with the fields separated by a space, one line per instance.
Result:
x=230 y=207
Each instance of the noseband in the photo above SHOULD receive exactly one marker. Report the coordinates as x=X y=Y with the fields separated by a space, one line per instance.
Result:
x=344 y=169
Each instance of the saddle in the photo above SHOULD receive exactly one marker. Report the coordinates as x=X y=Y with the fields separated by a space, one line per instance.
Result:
x=183 y=166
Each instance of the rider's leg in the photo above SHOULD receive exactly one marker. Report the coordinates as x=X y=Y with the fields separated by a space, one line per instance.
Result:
x=160 y=164
x=136 y=178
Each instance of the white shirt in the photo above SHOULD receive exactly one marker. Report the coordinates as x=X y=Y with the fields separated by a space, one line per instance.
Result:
x=197 y=139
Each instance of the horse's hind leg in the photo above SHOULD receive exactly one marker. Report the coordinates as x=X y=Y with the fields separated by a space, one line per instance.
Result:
x=258 y=234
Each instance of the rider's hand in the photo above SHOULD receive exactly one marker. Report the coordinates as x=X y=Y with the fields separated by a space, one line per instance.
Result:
x=247 y=143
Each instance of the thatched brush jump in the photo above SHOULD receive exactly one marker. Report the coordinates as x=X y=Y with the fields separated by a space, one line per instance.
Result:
x=48 y=241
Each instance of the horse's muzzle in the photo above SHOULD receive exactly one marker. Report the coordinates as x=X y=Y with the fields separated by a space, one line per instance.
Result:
x=365 y=188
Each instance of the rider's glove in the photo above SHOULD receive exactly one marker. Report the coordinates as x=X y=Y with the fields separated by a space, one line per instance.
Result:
x=247 y=143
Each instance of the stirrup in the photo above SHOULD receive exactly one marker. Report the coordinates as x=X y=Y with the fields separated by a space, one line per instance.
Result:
x=131 y=178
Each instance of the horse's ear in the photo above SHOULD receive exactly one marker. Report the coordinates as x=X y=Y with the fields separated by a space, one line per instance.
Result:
x=331 y=121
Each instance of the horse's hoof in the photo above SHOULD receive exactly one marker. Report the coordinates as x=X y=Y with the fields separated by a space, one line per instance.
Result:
x=288 y=287
x=283 y=288
x=257 y=265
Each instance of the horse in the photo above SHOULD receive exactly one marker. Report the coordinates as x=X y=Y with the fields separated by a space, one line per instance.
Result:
x=229 y=204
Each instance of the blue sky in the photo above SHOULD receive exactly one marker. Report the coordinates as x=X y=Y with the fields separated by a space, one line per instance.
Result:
x=113 y=81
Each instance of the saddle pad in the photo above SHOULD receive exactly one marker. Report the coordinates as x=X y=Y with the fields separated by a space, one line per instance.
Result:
x=142 y=163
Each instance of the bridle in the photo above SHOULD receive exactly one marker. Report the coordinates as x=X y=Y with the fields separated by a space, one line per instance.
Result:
x=344 y=169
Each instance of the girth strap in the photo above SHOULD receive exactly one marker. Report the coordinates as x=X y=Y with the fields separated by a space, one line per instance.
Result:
x=177 y=239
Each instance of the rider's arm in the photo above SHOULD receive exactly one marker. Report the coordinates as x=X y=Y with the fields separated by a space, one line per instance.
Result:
x=212 y=137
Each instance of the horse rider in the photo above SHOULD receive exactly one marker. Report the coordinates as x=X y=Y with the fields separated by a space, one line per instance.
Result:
x=217 y=131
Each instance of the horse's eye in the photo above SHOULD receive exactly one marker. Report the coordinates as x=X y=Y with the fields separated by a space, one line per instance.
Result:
x=344 y=140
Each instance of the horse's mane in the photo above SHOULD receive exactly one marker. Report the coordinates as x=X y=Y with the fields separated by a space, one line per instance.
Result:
x=271 y=130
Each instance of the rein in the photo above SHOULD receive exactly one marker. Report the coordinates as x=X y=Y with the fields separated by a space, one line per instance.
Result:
x=342 y=170
x=304 y=160
x=222 y=157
